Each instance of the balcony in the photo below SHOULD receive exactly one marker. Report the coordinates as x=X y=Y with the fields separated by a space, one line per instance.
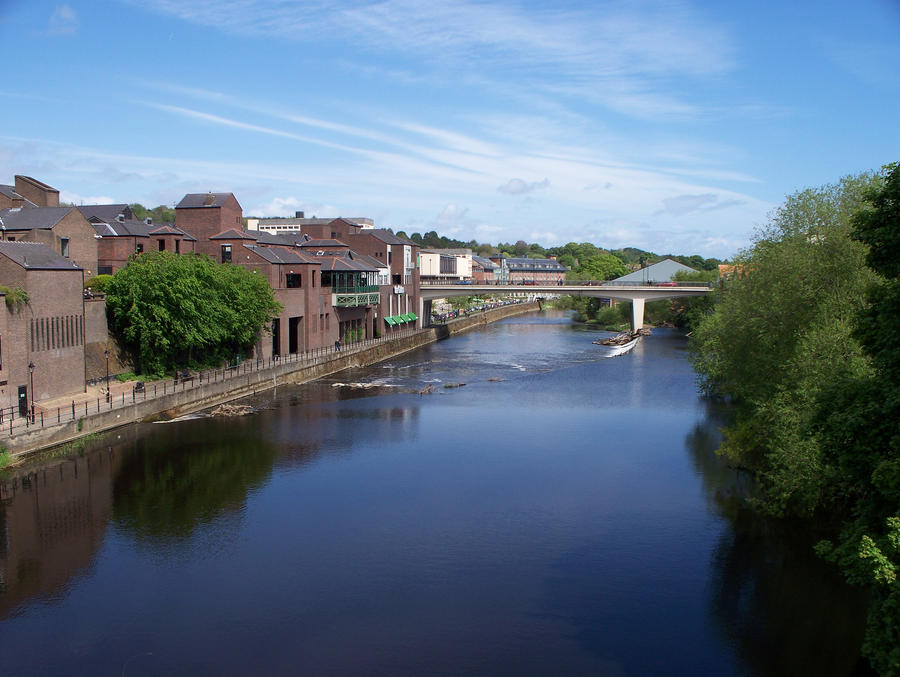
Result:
x=349 y=297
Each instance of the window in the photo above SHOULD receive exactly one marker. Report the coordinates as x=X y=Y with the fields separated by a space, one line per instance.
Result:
x=64 y=246
x=293 y=280
x=139 y=248
x=226 y=253
x=177 y=246
x=162 y=245
x=104 y=270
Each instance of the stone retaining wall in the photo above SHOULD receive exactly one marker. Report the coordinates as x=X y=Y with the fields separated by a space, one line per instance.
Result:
x=212 y=394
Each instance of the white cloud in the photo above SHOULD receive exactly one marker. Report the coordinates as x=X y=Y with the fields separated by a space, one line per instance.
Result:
x=63 y=21
x=76 y=199
x=520 y=187
x=288 y=206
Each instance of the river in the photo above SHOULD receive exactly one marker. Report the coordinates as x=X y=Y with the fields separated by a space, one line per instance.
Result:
x=561 y=513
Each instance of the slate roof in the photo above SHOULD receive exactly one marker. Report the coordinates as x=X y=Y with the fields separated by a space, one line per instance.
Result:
x=526 y=264
x=135 y=228
x=106 y=212
x=387 y=236
x=291 y=239
x=35 y=256
x=29 y=218
x=324 y=243
x=281 y=256
x=346 y=261
x=10 y=192
x=486 y=264
x=370 y=261
x=235 y=234
x=200 y=200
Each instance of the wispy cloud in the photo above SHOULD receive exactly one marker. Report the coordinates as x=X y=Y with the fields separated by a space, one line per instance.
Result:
x=619 y=55
x=63 y=21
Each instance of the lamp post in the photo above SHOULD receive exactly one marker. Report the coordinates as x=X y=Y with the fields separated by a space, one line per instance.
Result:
x=31 y=376
x=106 y=355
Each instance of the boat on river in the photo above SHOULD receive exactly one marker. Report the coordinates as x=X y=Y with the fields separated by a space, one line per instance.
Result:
x=619 y=344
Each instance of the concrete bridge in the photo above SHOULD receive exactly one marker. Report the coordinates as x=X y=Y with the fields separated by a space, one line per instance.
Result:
x=638 y=294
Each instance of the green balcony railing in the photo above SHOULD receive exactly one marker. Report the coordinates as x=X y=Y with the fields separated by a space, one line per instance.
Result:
x=352 y=299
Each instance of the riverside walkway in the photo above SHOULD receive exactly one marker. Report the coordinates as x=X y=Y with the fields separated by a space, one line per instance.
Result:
x=66 y=418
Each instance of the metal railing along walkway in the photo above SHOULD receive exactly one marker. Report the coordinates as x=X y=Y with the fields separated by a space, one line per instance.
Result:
x=57 y=411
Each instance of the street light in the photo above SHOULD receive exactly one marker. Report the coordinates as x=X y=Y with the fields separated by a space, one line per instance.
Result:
x=106 y=355
x=31 y=375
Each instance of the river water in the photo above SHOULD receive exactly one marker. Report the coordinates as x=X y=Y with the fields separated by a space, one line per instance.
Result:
x=562 y=513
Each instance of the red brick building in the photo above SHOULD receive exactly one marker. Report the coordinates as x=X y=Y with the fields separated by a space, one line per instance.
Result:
x=48 y=332
x=206 y=214
x=120 y=239
x=62 y=229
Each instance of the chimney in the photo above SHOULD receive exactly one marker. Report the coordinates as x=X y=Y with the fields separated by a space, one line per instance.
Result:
x=298 y=215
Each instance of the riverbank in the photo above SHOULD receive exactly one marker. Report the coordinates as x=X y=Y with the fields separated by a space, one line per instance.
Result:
x=62 y=422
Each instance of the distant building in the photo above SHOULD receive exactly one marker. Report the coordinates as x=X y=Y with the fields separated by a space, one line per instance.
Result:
x=446 y=265
x=483 y=270
x=281 y=224
x=662 y=271
x=534 y=271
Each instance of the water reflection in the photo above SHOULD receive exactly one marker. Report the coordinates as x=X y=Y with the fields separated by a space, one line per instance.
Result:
x=190 y=474
x=52 y=521
x=784 y=610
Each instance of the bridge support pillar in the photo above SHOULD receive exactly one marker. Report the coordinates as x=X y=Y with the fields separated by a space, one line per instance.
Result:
x=637 y=314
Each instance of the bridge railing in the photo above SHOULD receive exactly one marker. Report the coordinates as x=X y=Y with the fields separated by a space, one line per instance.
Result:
x=562 y=283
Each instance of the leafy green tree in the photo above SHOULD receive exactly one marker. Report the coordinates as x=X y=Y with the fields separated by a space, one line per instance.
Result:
x=160 y=214
x=857 y=425
x=782 y=333
x=171 y=311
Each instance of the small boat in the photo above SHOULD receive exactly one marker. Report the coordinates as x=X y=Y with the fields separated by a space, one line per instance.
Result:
x=619 y=344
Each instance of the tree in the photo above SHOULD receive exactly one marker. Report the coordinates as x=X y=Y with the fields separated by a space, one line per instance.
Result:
x=857 y=424
x=782 y=334
x=160 y=214
x=170 y=311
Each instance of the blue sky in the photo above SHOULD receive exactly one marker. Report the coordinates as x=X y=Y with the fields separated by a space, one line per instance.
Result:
x=671 y=126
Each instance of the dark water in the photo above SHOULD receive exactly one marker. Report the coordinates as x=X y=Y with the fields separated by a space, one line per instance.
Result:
x=567 y=517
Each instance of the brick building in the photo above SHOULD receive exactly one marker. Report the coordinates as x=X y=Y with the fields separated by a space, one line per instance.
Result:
x=533 y=271
x=47 y=332
x=28 y=192
x=120 y=239
x=204 y=215
x=62 y=229
x=484 y=271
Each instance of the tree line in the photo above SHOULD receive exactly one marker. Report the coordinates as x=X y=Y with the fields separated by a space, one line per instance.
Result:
x=804 y=341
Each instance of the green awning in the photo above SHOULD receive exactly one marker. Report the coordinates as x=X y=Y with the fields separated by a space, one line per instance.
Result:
x=390 y=320
x=413 y=317
x=401 y=319
x=406 y=318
